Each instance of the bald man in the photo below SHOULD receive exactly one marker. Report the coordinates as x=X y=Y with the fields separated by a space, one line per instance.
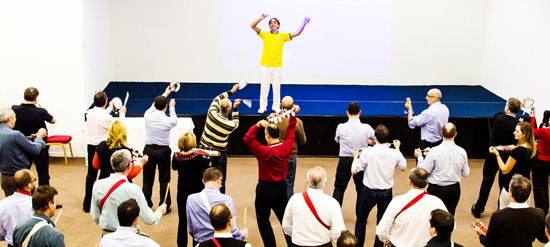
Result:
x=17 y=208
x=287 y=104
x=445 y=164
x=218 y=127
x=430 y=120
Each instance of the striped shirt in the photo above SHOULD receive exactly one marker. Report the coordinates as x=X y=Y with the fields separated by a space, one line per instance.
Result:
x=218 y=127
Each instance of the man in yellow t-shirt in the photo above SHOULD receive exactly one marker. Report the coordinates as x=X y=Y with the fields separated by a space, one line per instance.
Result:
x=272 y=59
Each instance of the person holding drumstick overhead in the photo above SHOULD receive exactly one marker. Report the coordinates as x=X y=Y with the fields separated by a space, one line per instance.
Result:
x=541 y=166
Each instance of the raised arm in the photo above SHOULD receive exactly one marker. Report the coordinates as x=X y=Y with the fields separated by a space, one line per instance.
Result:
x=255 y=23
x=299 y=31
x=504 y=167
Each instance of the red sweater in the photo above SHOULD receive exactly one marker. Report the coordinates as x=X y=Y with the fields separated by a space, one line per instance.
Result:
x=273 y=159
x=543 y=145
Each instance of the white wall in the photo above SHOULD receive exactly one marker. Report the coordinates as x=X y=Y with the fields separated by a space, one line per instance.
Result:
x=42 y=47
x=517 y=49
x=432 y=42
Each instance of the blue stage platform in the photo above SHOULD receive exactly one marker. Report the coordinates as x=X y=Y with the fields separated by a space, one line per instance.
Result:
x=315 y=100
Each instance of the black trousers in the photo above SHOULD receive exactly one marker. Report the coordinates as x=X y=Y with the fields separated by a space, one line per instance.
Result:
x=541 y=171
x=343 y=174
x=42 y=162
x=158 y=155
x=270 y=195
x=220 y=162
x=450 y=195
x=90 y=179
x=183 y=194
x=490 y=170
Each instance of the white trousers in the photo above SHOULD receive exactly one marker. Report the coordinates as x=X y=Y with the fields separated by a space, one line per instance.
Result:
x=271 y=75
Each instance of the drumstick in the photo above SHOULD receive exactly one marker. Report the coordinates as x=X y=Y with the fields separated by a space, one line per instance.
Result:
x=55 y=222
x=245 y=209
x=167 y=190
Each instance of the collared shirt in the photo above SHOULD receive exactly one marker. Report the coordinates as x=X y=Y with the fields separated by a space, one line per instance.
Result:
x=126 y=237
x=412 y=227
x=221 y=237
x=300 y=223
x=107 y=218
x=198 y=216
x=46 y=236
x=445 y=163
x=15 y=148
x=14 y=209
x=518 y=205
x=158 y=125
x=379 y=162
x=353 y=134
x=97 y=124
x=431 y=122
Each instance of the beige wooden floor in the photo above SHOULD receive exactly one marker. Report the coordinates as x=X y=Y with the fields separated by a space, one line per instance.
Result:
x=80 y=230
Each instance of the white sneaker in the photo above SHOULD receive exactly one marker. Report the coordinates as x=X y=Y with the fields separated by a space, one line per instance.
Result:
x=261 y=111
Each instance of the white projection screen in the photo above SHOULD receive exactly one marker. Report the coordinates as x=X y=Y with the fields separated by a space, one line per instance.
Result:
x=343 y=37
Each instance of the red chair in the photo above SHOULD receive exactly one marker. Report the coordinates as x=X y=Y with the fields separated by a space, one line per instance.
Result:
x=61 y=140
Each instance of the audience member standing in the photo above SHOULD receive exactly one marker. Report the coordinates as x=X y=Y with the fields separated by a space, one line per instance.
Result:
x=218 y=127
x=288 y=104
x=378 y=163
x=105 y=204
x=351 y=135
x=517 y=224
x=541 y=166
x=199 y=206
x=40 y=229
x=126 y=234
x=15 y=149
x=502 y=134
x=430 y=120
x=17 y=208
x=445 y=164
x=272 y=168
x=190 y=167
x=31 y=118
x=406 y=220
x=313 y=218
x=520 y=160
x=98 y=120
x=157 y=147
x=221 y=218
x=441 y=226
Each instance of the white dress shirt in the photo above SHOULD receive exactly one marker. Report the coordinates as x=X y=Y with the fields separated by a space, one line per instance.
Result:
x=379 y=162
x=300 y=223
x=158 y=125
x=14 y=209
x=412 y=227
x=97 y=124
x=445 y=164
x=126 y=237
x=107 y=218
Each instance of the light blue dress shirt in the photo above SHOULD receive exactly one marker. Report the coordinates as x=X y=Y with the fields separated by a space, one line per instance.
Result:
x=158 y=126
x=431 y=122
x=445 y=164
x=353 y=134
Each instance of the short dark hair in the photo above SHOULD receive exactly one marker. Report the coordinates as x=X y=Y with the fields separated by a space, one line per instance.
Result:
x=30 y=94
x=127 y=212
x=160 y=102
x=347 y=239
x=272 y=130
x=42 y=197
x=353 y=108
x=443 y=222
x=211 y=174
x=419 y=177
x=277 y=20
x=100 y=99
x=520 y=187
x=382 y=133
x=448 y=132
x=220 y=215
x=22 y=178
x=514 y=105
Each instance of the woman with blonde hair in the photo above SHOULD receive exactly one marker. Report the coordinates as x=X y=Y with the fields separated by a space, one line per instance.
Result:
x=520 y=160
x=116 y=140
x=190 y=167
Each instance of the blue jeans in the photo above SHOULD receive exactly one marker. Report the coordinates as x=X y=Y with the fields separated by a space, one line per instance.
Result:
x=290 y=176
x=368 y=199
x=220 y=162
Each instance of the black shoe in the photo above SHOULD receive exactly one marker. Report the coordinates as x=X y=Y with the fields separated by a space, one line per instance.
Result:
x=168 y=210
x=475 y=212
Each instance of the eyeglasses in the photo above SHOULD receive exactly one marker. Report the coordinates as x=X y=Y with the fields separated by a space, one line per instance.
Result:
x=431 y=96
